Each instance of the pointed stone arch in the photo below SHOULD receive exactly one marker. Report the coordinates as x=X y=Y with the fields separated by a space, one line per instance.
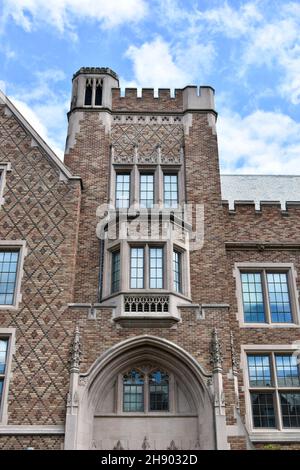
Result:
x=95 y=384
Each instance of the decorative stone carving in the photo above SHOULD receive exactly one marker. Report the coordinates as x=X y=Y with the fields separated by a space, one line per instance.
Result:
x=216 y=351
x=234 y=356
x=145 y=444
x=146 y=303
x=76 y=352
x=83 y=381
x=172 y=446
x=118 y=446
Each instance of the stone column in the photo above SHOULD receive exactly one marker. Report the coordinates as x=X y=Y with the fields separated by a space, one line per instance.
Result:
x=219 y=397
x=73 y=399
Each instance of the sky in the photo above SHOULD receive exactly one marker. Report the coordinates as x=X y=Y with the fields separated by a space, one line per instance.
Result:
x=249 y=51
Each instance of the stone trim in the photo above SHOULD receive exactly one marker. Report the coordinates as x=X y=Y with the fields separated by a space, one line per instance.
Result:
x=21 y=246
x=9 y=333
x=294 y=293
x=4 y=168
x=32 y=429
x=261 y=246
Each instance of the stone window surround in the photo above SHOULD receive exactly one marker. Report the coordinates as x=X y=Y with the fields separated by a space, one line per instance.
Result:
x=256 y=434
x=10 y=334
x=124 y=247
x=4 y=168
x=158 y=171
x=294 y=293
x=21 y=246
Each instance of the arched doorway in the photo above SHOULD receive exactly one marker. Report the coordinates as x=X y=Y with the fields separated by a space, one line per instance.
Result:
x=145 y=393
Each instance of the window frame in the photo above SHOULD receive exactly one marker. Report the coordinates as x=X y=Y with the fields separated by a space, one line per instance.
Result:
x=171 y=172
x=287 y=268
x=146 y=393
x=10 y=335
x=145 y=172
x=278 y=432
x=123 y=172
x=15 y=245
x=181 y=254
x=146 y=273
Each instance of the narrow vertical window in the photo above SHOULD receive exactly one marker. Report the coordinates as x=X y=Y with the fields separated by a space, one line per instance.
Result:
x=133 y=391
x=88 y=93
x=115 y=272
x=3 y=360
x=122 y=190
x=279 y=298
x=8 y=276
x=98 y=96
x=147 y=190
x=177 y=270
x=137 y=268
x=158 y=391
x=171 y=190
x=156 y=267
x=253 y=301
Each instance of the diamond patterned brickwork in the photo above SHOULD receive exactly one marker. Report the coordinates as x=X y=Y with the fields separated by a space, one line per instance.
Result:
x=147 y=137
x=42 y=210
x=37 y=442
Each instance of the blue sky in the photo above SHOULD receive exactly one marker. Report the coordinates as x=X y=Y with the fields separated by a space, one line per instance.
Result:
x=248 y=51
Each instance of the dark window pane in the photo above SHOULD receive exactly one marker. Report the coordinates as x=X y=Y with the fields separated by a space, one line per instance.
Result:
x=8 y=276
x=259 y=371
x=263 y=410
x=170 y=190
x=177 y=270
x=98 y=97
x=254 y=310
x=159 y=391
x=137 y=268
x=3 y=354
x=279 y=298
x=115 y=272
x=290 y=409
x=133 y=391
x=88 y=94
x=122 y=190
x=1 y=388
x=156 y=268
x=147 y=190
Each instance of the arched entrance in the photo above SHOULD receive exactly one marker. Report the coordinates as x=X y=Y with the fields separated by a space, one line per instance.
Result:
x=144 y=393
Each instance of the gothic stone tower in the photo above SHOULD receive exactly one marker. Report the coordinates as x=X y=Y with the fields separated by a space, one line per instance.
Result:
x=149 y=292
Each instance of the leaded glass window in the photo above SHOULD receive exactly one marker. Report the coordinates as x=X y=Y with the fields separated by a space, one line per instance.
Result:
x=177 y=270
x=146 y=190
x=279 y=298
x=274 y=381
x=137 y=268
x=133 y=391
x=8 y=276
x=156 y=267
x=266 y=297
x=122 y=190
x=170 y=190
x=115 y=271
x=159 y=391
x=254 y=310
x=3 y=362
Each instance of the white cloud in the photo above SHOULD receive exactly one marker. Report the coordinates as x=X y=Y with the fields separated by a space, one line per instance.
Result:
x=30 y=14
x=262 y=142
x=157 y=64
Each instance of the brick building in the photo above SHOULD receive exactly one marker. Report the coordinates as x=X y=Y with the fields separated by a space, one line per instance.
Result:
x=146 y=301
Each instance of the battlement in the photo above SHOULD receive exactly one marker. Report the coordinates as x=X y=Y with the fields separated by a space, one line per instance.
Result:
x=95 y=71
x=189 y=98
